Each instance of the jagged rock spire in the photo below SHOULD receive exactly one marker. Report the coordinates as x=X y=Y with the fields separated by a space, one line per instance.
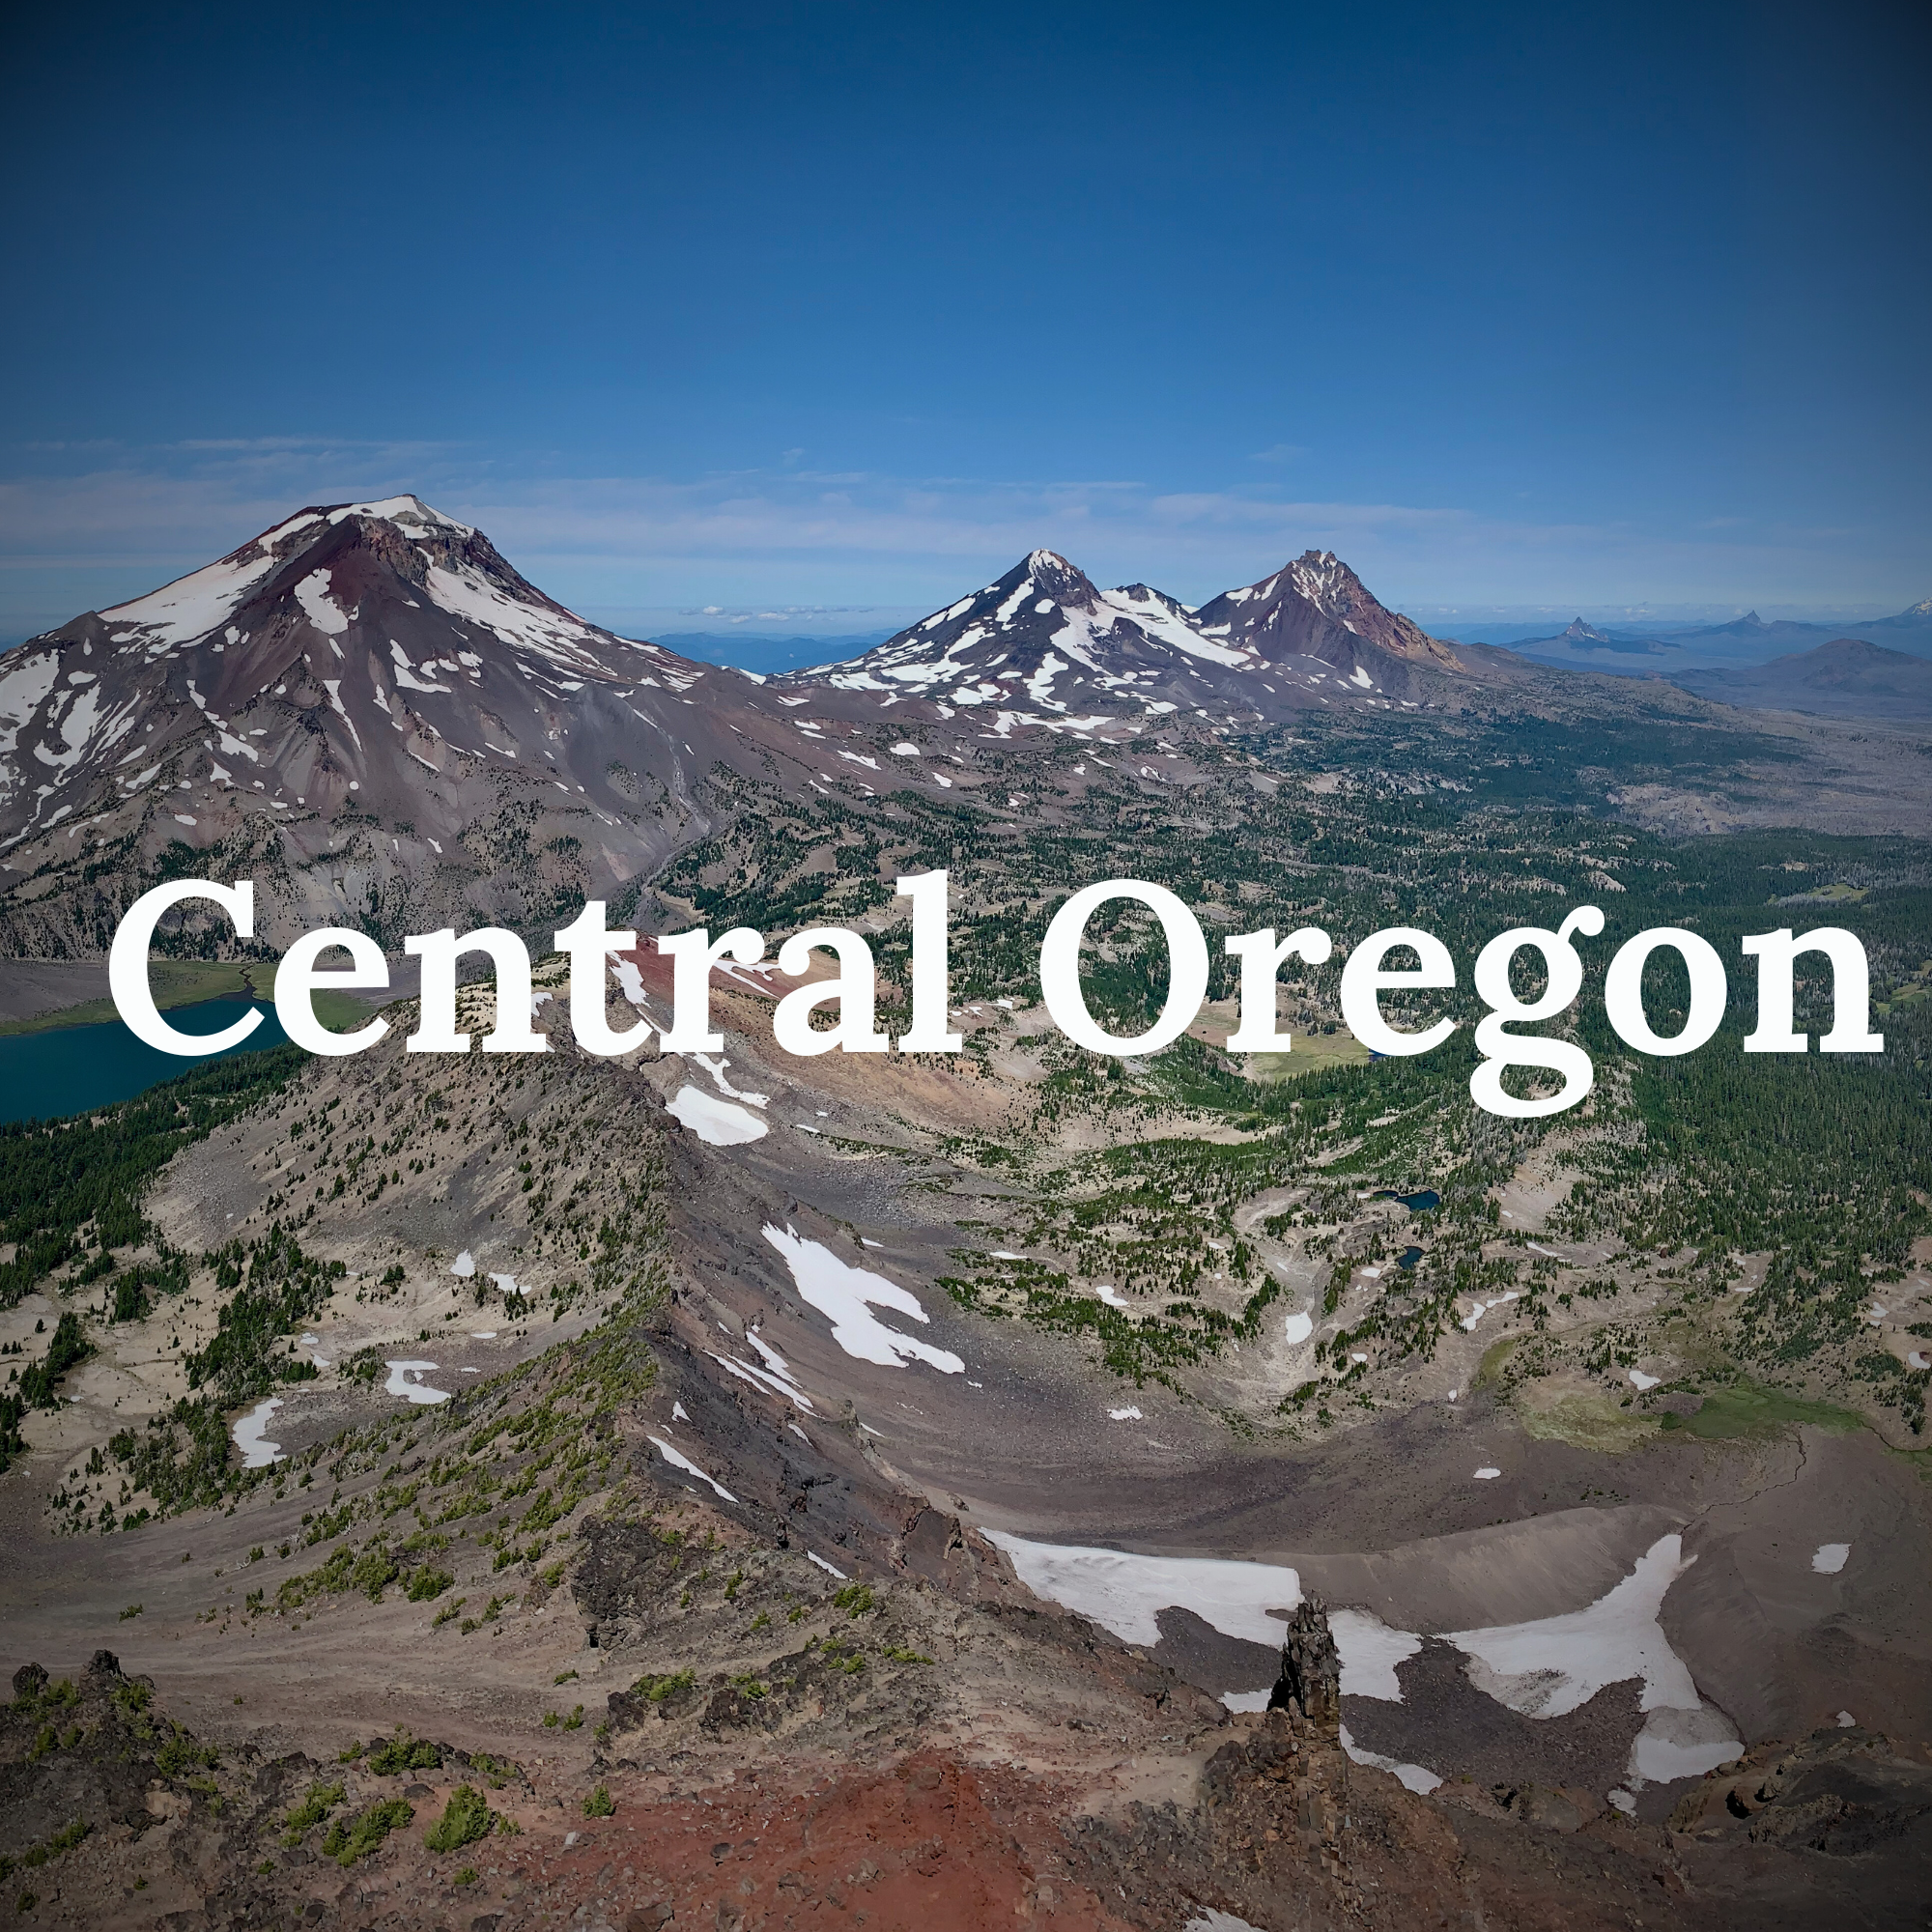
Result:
x=1311 y=1668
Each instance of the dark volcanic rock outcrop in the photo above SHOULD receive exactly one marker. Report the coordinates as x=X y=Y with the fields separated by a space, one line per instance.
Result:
x=1311 y=1670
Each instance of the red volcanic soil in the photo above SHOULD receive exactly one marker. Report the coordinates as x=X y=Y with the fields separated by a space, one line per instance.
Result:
x=929 y=1843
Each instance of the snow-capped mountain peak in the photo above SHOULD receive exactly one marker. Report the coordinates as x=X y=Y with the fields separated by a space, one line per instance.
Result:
x=324 y=557
x=1315 y=607
x=410 y=514
x=1042 y=645
x=1171 y=621
x=369 y=701
x=1326 y=580
x=380 y=649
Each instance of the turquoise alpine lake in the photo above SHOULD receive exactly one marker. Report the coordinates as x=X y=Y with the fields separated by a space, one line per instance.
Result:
x=68 y=1070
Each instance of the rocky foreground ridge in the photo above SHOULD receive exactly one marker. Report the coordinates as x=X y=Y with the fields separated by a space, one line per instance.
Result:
x=918 y=1751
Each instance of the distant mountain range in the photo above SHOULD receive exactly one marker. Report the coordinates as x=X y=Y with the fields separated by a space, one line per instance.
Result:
x=1744 y=640
x=1848 y=677
x=1585 y=644
x=1915 y=620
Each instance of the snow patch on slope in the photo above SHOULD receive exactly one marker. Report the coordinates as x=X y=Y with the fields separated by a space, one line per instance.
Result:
x=322 y=610
x=846 y=1296
x=194 y=605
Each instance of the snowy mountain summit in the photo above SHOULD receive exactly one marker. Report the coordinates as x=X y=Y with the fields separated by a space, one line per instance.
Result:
x=302 y=662
x=367 y=663
x=1043 y=642
x=1038 y=636
x=1319 y=607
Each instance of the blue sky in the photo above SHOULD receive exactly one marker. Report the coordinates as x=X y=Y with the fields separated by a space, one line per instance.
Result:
x=842 y=308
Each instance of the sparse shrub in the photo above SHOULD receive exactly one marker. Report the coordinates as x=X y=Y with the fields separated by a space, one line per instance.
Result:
x=427 y=1583
x=35 y=1856
x=368 y=1830
x=181 y=1755
x=311 y=1811
x=465 y=1818
x=661 y=1689
x=403 y=1753
x=133 y=1611
x=375 y=1569
x=598 y=1804
x=68 y=1837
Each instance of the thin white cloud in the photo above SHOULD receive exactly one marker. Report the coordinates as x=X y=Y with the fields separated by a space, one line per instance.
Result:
x=96 y=524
